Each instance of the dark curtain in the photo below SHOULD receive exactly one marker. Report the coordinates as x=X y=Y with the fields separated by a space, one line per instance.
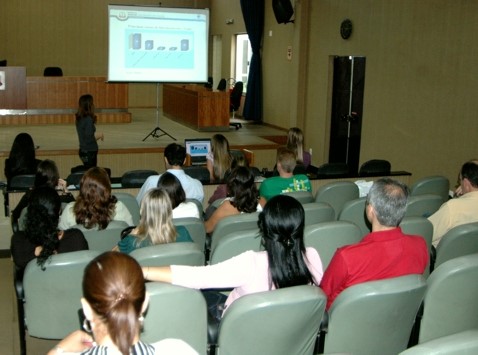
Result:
x=253 y=13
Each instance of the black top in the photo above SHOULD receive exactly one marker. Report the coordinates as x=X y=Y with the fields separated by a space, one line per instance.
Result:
x=25 y=200
x=23 y=251
x=85 y=127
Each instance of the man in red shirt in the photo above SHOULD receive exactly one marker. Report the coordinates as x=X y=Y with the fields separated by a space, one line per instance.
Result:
x=385 y=252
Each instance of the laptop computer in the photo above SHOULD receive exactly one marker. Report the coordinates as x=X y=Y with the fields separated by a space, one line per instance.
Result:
x=198 y=149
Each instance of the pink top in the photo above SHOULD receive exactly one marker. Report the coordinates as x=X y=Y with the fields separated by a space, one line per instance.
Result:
x=246 y=273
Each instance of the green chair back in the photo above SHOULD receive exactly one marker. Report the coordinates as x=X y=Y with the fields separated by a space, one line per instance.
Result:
x=450 y=304
x=175 y=312
x=169 y=254
x=280 y=322
x=337 y=193
x=374 y=317
x=458 y=241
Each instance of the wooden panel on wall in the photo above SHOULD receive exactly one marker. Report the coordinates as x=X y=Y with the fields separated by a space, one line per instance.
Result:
x=13 y=94
x=64 y=92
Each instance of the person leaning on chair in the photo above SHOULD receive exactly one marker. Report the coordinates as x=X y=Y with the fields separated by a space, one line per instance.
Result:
x=174 y=158
x=385 y=252
x=460 y=210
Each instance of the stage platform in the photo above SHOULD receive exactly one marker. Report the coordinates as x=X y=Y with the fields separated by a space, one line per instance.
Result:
x=125 y=147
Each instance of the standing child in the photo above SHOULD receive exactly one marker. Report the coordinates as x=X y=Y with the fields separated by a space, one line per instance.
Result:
x=85 y=127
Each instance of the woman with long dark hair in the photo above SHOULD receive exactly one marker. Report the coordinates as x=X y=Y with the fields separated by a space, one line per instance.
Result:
x=47 y=174
x=242 y=197
x=21 y=160
x=285 y=261
x=41 y=237
x=86 y=129
x=181 y=208
x=95 y=206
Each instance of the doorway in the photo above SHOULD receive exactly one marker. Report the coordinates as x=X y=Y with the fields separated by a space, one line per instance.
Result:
x=346 y=113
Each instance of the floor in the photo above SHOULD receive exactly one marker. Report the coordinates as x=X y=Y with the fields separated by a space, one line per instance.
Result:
x=117 y=136
x=132 y=135
x=9 y=343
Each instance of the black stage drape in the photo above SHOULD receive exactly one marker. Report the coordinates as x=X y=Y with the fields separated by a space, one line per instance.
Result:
x=253 y=13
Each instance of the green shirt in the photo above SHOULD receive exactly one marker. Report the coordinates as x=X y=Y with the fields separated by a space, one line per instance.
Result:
x=131 y=242
x=277 y=185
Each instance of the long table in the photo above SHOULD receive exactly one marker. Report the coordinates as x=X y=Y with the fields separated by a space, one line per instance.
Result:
x=197 y=107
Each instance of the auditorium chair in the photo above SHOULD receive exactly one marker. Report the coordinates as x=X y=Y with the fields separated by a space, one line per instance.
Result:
x=131 y=204
x=317 y=212
x=104 y=239
x=375 y=167
x=52 y=71
x=374 y=317
x=51 y=297
x=354 y=211
x=175 y=312
x=332 y=171
x=423 y=205
x=235 y=103
x=450 y=304
x=437 y=185
x=280 y=322
x=461 y=343
x=169 y=254
x=136 y=178
x=327 y=237
x=421 y=227
x=301 y=196
x=337 y=193
x=196 y=229
x=235 y=243
x=458 y=241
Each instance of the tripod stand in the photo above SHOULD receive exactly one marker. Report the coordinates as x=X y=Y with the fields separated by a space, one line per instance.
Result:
x=154 y=133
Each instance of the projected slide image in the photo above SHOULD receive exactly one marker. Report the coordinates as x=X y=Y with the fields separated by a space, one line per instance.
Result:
x=159 y=49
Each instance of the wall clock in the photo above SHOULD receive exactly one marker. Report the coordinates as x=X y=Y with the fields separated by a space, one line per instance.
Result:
x=346 y=29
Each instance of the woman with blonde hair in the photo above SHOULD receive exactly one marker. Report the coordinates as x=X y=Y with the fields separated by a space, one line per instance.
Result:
x=95 y=206
x=219 y=159
x=295 y=142
x=156 y=224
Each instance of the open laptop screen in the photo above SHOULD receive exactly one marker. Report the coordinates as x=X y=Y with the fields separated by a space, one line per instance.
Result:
x=198 y=149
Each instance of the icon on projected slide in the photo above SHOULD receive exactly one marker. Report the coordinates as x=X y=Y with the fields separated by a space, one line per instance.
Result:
x=184 y=45
x=149 y=44
x=135 y=41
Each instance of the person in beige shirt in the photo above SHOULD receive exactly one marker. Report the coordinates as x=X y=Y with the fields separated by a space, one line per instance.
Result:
x=462 y=209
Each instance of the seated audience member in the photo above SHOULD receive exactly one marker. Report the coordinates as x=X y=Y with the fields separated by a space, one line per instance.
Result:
x=181 y=208
x=41 y=237
x=295 y=142
x=156 y=224
x=385 y=252
x=21 y=160
x=460 y=210
x=221 y=190
x=285 y=261
x=242 y=197
x=95 y=206
x=114 y=301
x=219 y=159
x=286 y=181
x=174 y=157
x=47 y=175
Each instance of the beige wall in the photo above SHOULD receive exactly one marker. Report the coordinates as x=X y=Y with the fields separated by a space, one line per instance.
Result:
x=421 y=75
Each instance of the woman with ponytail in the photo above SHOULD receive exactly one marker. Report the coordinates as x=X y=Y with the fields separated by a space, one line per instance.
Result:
x=114 y=301
x=285 y=261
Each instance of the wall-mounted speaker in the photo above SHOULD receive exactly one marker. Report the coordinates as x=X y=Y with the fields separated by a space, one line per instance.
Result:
x=283 y=10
